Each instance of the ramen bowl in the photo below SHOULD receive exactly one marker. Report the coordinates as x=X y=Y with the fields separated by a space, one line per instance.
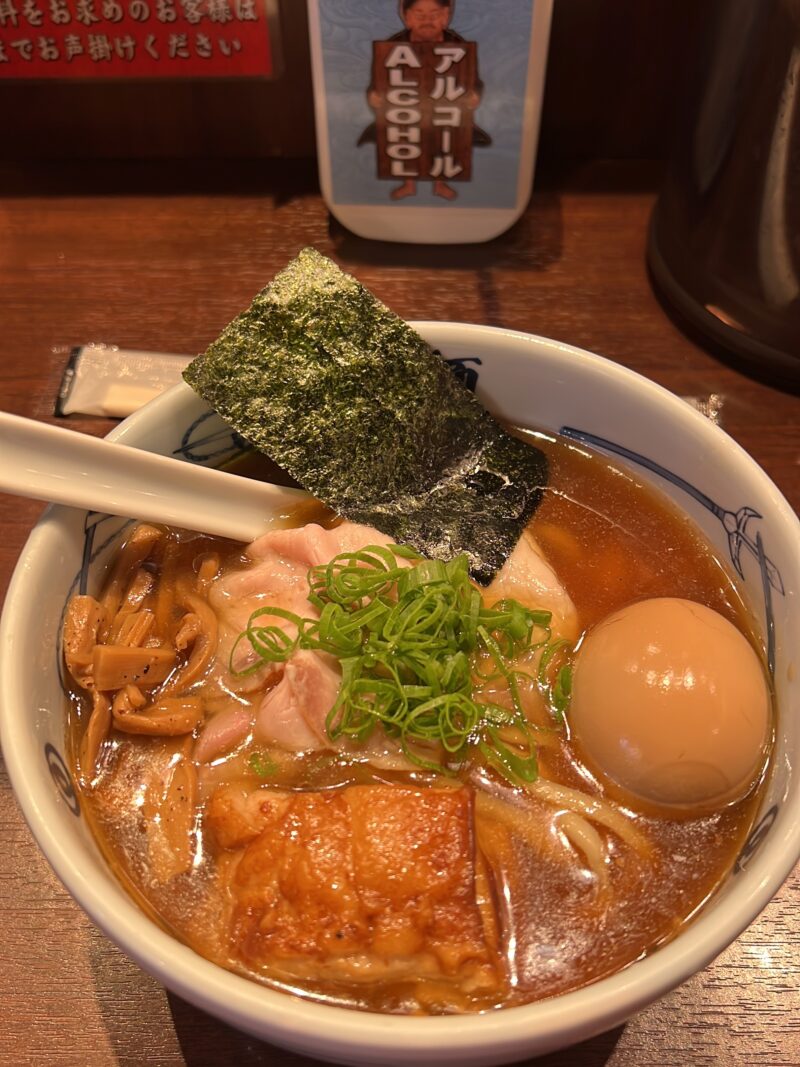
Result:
x=528 y=381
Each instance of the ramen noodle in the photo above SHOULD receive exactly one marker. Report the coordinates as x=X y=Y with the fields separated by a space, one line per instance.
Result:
x=354 y=860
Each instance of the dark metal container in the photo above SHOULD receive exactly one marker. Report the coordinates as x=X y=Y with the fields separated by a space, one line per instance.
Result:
x=724 y=243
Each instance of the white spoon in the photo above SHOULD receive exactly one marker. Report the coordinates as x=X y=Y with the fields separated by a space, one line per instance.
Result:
x=64 y=467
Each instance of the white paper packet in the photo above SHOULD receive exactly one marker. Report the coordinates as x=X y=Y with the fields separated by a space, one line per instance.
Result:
x=111 y=381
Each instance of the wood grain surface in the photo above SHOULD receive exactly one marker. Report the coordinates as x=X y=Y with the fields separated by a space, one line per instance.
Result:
x=161 y=257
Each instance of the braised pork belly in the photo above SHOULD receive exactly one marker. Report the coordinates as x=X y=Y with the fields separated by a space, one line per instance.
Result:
x=362 y=884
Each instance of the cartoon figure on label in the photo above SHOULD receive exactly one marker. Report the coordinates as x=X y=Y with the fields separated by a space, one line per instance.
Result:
x=424 y=90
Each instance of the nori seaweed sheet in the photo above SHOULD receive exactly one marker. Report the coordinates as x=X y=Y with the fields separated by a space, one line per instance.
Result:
x=346 y=397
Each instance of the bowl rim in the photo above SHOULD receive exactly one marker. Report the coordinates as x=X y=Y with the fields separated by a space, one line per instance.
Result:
x=321 y=1029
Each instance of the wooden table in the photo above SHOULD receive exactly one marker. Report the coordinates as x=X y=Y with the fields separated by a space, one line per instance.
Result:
x=161 y=257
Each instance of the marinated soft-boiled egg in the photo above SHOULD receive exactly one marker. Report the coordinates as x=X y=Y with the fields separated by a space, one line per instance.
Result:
x=670 y=702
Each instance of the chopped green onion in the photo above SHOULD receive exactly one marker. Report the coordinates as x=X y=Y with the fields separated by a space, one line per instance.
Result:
x=560 y=689
x=262 y=765
x=416 y=645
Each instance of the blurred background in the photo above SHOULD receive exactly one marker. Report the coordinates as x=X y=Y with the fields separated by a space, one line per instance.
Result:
x=613 y=87
x=692 y=100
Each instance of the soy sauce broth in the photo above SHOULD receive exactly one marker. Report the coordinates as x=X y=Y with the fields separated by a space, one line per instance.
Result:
x=611 y=540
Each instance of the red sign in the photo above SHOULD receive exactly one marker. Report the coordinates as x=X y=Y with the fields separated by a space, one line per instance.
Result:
x=135 y=39
x=424 y=122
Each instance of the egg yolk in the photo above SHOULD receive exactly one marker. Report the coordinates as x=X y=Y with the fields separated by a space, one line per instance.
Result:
x=670 y=702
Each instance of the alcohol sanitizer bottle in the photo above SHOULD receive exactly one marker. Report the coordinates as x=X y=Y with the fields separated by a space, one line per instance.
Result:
x=427 y=113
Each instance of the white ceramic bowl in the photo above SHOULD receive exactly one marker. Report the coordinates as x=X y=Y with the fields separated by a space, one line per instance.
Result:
x=529 y=381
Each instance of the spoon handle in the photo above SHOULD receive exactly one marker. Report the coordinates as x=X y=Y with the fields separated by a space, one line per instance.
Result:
x=65 y=467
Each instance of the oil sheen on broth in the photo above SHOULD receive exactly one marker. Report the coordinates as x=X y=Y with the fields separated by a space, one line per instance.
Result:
x=547 y=898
